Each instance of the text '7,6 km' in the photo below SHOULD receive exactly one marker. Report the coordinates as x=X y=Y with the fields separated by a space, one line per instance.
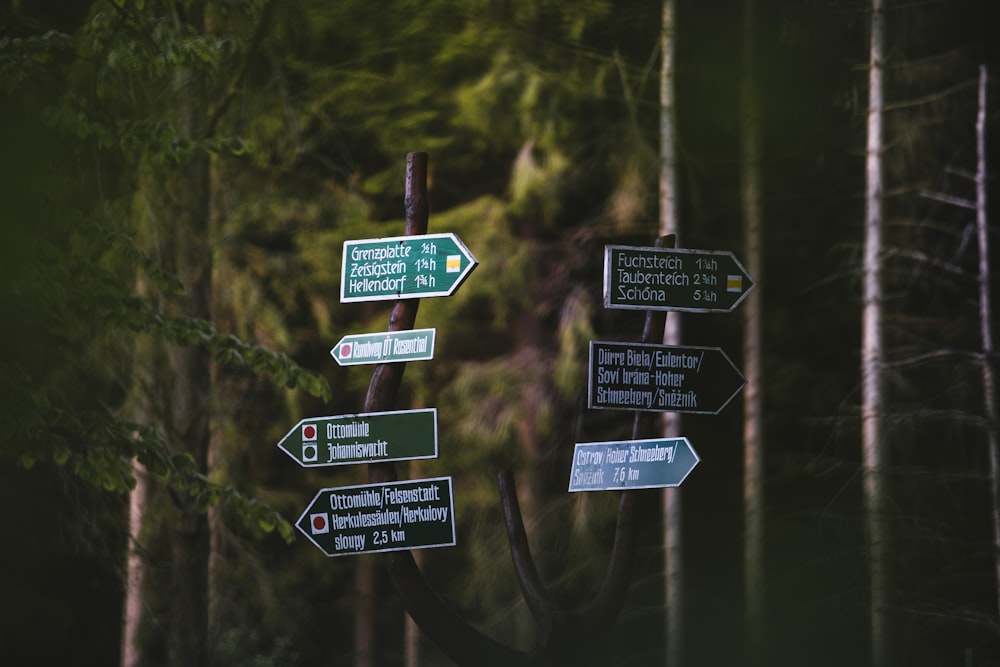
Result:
x=403 y=267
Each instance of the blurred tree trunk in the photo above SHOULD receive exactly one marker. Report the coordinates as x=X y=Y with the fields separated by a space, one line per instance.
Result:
x=753 y=427
x=177 y=393
x=145 y=410
x=178 y=201
x=135 y=570
x=669 y=224
x=188 y=190
x=364 y=611
x=872 y=353
x=411 y=631
x=986 y=321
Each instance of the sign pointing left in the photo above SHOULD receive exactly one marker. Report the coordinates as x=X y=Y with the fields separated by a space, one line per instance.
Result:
x=363 y=438
x=383 y=348
x=391 y=516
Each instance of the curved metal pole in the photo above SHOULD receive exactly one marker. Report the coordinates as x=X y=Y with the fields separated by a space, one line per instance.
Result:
x=559 y=626
x=607 y=604
x=536 y=594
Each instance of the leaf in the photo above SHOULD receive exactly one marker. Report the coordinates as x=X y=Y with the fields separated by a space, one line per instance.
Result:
x=286 y=532
x=267 y=523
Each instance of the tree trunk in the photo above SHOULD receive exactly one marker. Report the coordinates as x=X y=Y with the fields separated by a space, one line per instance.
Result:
x=135 y=570
x=364 y=611
x=753 y=427
x=411 y=631
x=672 y=524
x=986 y=321
x=186 y=217
x=145 y=409
x=872 y=354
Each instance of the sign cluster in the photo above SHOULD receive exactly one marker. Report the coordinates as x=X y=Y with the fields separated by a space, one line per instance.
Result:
x=393 y=516
x=622 y=376
x=658 y=378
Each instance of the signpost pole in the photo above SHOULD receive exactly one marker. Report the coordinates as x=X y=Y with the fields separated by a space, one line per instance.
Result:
x=386 y=378
x=611 y=597
x=460 y=641
x=607 y=603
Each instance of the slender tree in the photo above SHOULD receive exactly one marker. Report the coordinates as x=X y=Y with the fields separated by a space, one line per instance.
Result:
x=753 y=420
x=185 y=225
x=986 y=320
x=365 y=652
x=670 y=224
x=872 y=355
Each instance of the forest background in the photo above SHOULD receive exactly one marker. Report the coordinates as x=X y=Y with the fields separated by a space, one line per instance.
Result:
x=177 y=182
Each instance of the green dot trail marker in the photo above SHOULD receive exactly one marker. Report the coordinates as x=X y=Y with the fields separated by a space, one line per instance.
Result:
x=363 y=438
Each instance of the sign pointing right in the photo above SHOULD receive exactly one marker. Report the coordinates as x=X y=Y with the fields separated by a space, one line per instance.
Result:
x=403 y=267
x=631 y=464
x=661 y=378
x=697 y=281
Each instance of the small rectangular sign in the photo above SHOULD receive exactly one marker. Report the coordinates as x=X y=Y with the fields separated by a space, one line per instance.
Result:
x=631 y=464
x=394 y=516
x=363 y=438
x=384 y=348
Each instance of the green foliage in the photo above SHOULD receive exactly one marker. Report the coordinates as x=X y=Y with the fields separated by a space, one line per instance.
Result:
x=24 y=58
x=575 y=332
x=157 y=139
x=70 y=259
x=540 y=120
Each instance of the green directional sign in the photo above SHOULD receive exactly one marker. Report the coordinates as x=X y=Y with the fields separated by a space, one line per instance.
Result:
x=631 y=464
x=383 y=348
x=363 y=438
x=697 y=281
x=415 y=514
x=661 y=378
x=403 y=267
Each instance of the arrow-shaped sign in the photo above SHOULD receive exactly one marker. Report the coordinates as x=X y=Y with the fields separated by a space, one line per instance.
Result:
x=698 y=281
x=381 y=517
x=631 y=464
x=363 y=438
x=403 y=267
x=383 y=348
x=661 y=378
